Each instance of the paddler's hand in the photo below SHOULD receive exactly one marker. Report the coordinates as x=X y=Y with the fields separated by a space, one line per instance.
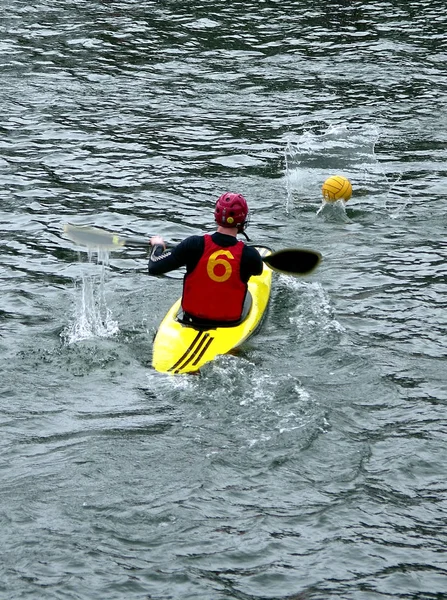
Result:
x=157 y=240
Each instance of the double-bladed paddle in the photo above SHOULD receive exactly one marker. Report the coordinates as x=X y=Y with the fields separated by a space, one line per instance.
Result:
x=291 y=261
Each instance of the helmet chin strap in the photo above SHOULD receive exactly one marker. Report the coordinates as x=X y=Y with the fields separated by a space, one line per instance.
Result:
x=241 y=230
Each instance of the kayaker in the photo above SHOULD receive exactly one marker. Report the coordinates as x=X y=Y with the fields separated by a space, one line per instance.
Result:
x=218 y=266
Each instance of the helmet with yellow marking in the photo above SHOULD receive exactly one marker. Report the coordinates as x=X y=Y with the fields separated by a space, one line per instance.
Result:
x=231 y=211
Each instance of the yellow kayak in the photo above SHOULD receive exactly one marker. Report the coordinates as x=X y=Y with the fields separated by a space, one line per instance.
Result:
x=180 y=348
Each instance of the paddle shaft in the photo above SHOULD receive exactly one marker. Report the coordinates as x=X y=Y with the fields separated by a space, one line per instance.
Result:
x=291 y=261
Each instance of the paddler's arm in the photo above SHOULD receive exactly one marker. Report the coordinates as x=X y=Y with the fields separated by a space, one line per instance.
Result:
x=186 y=253
x=160 y=260
x=251 y=264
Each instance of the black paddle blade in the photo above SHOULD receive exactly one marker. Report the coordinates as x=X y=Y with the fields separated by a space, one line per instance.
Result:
x=292 y=261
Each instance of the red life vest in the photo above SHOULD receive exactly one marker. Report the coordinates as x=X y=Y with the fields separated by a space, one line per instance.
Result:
x=214 y=290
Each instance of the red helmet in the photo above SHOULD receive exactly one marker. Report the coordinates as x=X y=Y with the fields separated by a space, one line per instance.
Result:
x=231 y=211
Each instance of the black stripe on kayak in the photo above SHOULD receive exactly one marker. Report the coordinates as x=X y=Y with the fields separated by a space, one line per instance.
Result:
x=196 y=350
x=204 y=349
x=190 y=348
x=206 y=340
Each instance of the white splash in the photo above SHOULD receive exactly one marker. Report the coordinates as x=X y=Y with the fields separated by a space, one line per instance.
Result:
x=311 y=158
x=93 y=317
x=314 y=311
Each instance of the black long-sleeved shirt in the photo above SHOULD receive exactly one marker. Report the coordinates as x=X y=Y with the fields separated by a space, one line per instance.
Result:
x=190 y=250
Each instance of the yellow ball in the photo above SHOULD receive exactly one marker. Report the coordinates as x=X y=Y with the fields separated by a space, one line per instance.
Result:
x=336 y=188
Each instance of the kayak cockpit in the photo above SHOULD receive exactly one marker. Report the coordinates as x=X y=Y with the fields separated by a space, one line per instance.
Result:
x=202 y=324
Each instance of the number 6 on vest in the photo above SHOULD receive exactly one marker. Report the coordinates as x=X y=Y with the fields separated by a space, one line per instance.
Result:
x=215 y=262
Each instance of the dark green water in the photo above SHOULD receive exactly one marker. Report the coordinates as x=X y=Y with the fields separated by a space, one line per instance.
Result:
x=310 y=466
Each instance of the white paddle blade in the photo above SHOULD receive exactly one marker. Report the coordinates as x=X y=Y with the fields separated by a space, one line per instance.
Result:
x=92 y=237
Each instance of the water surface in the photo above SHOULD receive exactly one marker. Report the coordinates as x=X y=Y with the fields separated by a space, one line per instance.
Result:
x=312 y=464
